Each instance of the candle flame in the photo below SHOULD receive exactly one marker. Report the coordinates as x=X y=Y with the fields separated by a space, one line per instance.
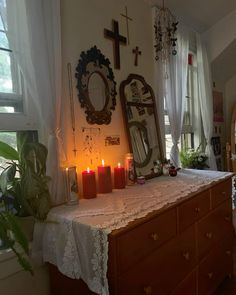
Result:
x=103 y=162
x=66 y=169
x=118 y=165
x=88 y=170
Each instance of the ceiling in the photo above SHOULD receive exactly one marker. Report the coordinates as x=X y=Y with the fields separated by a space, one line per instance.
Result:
x=224 y=66
x=198 y=14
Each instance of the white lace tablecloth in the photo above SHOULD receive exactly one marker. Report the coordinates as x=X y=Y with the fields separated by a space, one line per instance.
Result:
x=76 y=237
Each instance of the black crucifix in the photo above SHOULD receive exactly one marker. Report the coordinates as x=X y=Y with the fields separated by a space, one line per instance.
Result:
x=137 y=53
x=117 y=39
x=127 y=21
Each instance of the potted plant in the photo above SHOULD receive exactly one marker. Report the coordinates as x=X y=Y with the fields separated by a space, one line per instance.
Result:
x=24 y=192
x=193 y=159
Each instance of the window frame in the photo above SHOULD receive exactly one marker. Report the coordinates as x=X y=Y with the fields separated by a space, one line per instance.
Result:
x=25 y=116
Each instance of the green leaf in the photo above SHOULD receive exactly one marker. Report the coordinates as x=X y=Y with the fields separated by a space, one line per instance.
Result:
x=7 y=152
x=7 y=176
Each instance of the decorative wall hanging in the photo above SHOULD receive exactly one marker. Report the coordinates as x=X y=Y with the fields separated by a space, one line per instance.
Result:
x=91 y=145
x=72 y=110
x=137 y=53
x=117 y=39
x=165 y=33
x=127 y=18
x=96 y=86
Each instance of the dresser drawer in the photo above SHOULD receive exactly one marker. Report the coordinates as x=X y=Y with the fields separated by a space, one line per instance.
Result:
x=215 y=267
x=161 y=271
x=220 y=192
x=193 y=209
x=143 y=239
x=187 y=286
x=213 y=227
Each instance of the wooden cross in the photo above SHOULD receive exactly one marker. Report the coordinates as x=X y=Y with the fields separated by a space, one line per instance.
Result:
x=117 y=39
x=137 y=53
x=127 y=21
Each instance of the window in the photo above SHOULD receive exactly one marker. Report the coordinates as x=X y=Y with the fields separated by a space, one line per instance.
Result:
x=191 y=130
x=11 y=97
x=17 y=109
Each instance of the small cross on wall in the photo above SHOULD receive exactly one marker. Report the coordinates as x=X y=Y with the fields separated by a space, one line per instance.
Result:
x=127 y=18
x=137 y=53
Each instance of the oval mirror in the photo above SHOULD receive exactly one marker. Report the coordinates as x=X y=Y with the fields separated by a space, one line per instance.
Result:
x=97 y=91
x=96 y=86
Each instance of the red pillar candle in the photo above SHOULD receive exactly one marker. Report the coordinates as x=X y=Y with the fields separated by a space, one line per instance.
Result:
x=89 y=184
x=119 y=177
x=104 y=179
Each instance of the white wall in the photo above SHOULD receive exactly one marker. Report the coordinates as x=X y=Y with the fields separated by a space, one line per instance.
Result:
x=83 y=24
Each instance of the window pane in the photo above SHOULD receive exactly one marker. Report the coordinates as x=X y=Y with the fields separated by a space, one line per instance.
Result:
x=3 y=40
x=7 y=110
x=5 y=72
x=3 y=16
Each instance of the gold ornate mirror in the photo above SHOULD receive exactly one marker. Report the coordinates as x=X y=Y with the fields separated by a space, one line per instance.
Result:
x=140 y=116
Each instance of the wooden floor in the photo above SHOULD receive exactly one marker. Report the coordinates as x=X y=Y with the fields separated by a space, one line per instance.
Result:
x=228 y=287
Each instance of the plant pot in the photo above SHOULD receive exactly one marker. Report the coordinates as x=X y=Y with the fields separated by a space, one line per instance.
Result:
x=27 y=226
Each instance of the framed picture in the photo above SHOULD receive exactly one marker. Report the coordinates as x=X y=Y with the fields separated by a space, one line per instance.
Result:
x=215 y=141
x=218 y=114
x=72 y=186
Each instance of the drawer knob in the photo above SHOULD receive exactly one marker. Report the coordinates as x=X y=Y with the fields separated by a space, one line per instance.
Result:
x=210 y=275
x=223 y=193
x=186 y=255
x=197 y=209
x=209 y=235
x=154 y=236
x=228 y=252
x=227 y=218
x=147 y=290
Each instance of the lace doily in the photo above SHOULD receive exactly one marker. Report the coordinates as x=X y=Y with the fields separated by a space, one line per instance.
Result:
x=76 y=238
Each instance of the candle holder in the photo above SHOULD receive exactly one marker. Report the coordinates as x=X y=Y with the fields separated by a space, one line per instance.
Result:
x=72 y=186
x=89 y=184
x=104 y=179
x=119 y=177
x=129 y=169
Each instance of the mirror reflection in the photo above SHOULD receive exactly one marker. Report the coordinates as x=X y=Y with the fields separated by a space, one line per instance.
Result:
x=140 y=143
x=97 y=91
x=140 y=116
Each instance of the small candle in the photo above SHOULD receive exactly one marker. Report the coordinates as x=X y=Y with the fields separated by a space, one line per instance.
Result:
x=89 y=184
x=119 y=177
x=104 y=179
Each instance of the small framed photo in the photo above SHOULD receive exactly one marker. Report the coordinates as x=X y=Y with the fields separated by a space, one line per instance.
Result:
x=216 y=145
x=72 y=186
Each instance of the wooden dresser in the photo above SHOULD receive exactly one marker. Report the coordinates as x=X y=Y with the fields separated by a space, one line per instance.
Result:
x=184 y=248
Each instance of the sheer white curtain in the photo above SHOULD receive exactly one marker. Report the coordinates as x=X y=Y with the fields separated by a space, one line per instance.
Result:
x=174 y=80
x=35 y=37
x=205 y=98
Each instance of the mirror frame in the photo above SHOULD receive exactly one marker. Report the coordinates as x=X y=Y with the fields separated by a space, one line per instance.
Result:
x=100 y=64
x=127 y=123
